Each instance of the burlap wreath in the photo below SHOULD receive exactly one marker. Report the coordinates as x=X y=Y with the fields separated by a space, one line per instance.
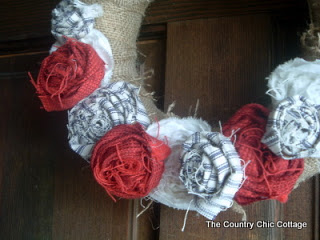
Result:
x=120 y=24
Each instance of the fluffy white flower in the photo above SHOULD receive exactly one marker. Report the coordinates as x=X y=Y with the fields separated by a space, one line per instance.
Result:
x=295 y=77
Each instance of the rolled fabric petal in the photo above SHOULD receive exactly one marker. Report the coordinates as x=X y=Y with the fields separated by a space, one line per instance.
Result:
x=211 y=170
x=293 y=129
x=127 y=162
x=94 y=116
x=174 y=131
x=74 y=19
x=268 y=176
x=295 y=77
x=68 y=75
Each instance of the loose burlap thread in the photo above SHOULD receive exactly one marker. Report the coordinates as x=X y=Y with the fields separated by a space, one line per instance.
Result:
x=121 y=24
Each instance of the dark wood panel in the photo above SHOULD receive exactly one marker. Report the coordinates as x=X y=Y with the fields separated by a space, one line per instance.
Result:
x=21 y=20
x=25 y=19
x=82 y=209
x=26 y=160
x=177 y=10
x=151 y=59
x=223 y=63
x=301 y=207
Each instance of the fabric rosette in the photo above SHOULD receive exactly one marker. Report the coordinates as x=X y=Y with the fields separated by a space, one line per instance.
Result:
x=127 y=162
x=295 y=77
x=293 y=129
x=174 y=131
x=211 y=171
x=72 y=18
x=68 y=75
x=94 y=116
x=268 y=176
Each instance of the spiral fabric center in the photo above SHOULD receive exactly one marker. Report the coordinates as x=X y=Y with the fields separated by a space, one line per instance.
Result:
x=211 y=170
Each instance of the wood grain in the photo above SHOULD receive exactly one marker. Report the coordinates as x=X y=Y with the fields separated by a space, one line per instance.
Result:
x=151 y=60
x=300 y=208
x=31 y=19
x=26 y=160
x=211 y=60
x=178 y=10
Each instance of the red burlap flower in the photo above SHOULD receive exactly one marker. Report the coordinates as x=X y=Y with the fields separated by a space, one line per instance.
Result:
x=127 y=162
x=268 y=176
x=68 y=75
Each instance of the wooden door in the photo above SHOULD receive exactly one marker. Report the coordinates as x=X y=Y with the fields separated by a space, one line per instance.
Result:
x=216 y=51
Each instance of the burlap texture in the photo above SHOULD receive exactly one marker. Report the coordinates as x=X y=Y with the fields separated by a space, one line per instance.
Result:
x=310 y=42
x=121 y=23
x=310 y=39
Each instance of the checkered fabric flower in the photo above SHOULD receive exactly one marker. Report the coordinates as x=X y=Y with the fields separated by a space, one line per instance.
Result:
x=74 y=19
x=93 y=117
x=211 y=170
x=293 y=129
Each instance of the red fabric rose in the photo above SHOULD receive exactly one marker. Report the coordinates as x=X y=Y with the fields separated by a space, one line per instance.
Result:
x=268 y=176
x=68 y=75
x=127 y=162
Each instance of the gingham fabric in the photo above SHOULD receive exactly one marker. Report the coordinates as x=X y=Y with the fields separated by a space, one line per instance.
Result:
x=74 y=19
x=93 y=117
x=293 y=129
x=211 y=170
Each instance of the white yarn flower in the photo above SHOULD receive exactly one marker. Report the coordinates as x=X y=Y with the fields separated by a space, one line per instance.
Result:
x=293 y=129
